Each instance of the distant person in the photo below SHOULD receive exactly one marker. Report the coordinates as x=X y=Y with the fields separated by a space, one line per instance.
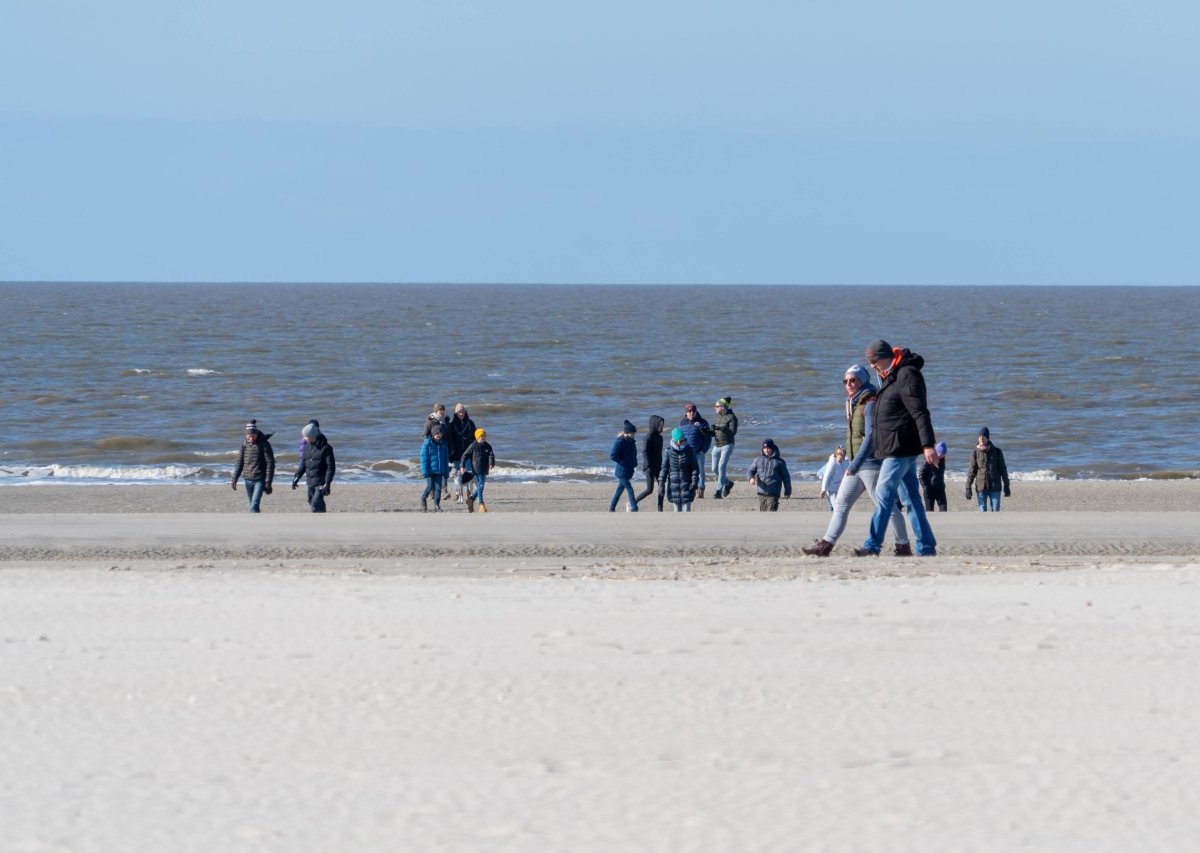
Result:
x=901 y=433
x=698 y=435
x=769 y=475
x=832 y=474
x=317 y=466
x=933 y=480
x=652 y=453
x=315 y=423
x=461 y=434
x=724 y=433
x=624 y=457
x=987 y=473
x=478 y=455
x=437 y=417
x=256 y=462
x=435 y=467
x=863 y=470
x=680 y=475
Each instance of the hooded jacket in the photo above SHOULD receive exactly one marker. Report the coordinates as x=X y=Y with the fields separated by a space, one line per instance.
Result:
x=987 y=471
x=257 y=460
x=317 y=465
x=480 y=456
x=902 y=426
x=461 y=433
x=770 y=474
x=652 y=447
x=680 y=474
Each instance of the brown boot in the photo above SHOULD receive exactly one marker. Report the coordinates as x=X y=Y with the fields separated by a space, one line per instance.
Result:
x=904 y=550
x=822 y=548
x=482 y=506
x=700 y=493
x=470 y=503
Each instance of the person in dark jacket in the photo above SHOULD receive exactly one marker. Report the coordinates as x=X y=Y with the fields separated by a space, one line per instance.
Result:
x=652 y=451
x=680 y=475
x=901 y=432
x=435 y=466
x=987 y=473
x=461 y=434
x=698 y=435
x=933 y=480
x=480 y=458
x=724 y=431
x=300 y=451
x=624 y=457
x=317 y=466
x=438 y=417
x=256 y=462
x=769 y=475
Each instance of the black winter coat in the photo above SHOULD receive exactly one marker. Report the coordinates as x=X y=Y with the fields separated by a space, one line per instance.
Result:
x=317 y=465
x=480 y=455
x=902 y=426
x=680 y=475
x=462 y=433
x=652 y=448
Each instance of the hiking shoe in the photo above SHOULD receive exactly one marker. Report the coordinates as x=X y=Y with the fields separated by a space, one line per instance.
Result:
x=728 y=488
x=865 y=552
x=718 y=494
x=424 y=506
x=470 y=504
x=482 y=506
x=700 y=493
x=822 y=548
x=904 y=550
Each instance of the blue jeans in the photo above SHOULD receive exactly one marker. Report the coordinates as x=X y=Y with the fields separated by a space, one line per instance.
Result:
x=254 y=492
x=700 y=465
x=433 y=484
x=720 y=463
x=984 y=497
x=898 y=478
x=623 y=485
x=479 y=480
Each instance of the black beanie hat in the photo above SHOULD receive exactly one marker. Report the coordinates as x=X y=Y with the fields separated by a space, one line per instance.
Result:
x=629 y=427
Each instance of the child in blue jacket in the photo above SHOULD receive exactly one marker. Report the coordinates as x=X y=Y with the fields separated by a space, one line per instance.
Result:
x=435 y=467
x=624 y=455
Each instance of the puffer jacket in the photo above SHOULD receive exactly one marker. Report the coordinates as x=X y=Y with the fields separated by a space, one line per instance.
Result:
x=256 y=461
x=317 y=465
x=624 y=456
x=697 y=434
x=461 y=434
x=902 y=426
x=680 y=474
x=724 y=428
x=435 y=458
x=770 y=474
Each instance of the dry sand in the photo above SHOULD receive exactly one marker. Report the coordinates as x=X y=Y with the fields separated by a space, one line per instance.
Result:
x=176 y=674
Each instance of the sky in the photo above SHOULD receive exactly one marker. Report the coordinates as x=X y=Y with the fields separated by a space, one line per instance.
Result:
x=618 y=142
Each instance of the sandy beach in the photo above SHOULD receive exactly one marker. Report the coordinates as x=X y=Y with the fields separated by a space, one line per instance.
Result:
x=179 y=674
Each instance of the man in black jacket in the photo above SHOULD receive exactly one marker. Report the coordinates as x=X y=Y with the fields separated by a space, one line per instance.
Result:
x=256 y=461
x=901 y=433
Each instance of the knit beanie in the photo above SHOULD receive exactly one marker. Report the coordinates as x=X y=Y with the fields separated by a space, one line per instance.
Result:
x=879 y=349
x=768 y=443
x=437 y=430
x=252 y=426
x=459 y=407
x=677 y=434
x=984 y=432
x=629 y=427
x=479 y=433
x=310 y=431
x=857 y=371
x=724 y=402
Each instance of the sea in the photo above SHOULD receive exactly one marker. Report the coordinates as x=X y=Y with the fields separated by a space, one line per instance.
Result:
x=153 y=383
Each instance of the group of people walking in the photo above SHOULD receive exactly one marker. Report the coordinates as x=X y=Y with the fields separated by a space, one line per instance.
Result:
x=256 y=464
x=455 y=450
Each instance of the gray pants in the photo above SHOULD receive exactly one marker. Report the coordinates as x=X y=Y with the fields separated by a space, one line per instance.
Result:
x=853 y=485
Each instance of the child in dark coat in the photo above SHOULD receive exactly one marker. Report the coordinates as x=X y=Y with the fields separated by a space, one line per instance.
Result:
x=652 y=451
x=624 y=457
x=769 y=475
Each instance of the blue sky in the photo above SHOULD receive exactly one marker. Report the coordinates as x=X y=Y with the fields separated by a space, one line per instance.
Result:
x=870 y=142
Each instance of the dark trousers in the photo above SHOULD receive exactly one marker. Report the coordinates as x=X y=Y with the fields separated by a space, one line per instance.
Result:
x=649 y=490
x=935 y=494
x=768 y=503
x=316 y=498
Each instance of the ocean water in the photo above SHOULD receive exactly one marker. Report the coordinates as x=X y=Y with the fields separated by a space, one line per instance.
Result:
x=122 y=383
